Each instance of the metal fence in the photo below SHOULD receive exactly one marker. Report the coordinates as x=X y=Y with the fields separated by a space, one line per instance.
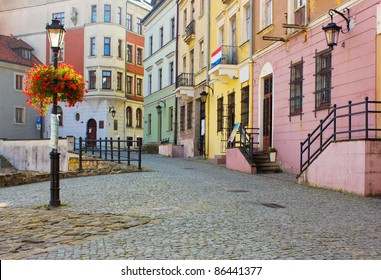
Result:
x=109 y=149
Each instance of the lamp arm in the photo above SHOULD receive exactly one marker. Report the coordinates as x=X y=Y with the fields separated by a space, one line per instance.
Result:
x=342 y=14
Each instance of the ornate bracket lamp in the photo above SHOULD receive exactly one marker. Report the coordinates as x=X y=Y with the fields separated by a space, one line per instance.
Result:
x=112 y=111
x=204 y=94
x=158 y=107
x=332 y=29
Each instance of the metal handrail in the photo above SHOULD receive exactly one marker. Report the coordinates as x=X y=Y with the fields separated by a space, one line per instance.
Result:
x=247 y=139
x=341 y=125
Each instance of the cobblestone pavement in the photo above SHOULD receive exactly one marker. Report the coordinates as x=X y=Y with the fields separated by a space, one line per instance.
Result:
x=204 y=211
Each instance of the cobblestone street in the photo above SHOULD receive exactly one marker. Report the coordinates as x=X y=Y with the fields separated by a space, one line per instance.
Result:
x=188 y=209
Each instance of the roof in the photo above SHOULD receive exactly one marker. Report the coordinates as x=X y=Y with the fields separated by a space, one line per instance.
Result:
x=10 y=51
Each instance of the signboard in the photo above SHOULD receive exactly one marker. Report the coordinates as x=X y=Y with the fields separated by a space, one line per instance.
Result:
x=38 y=123
x=234 y=132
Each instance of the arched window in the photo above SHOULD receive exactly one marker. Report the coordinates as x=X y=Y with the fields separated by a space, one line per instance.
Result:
x=139 y=117
x=129 y=117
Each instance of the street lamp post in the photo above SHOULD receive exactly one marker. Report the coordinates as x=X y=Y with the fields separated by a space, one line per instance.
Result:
x=56 y=34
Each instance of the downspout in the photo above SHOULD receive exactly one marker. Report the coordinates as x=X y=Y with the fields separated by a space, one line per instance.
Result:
x=251 y=39
x=125 y=80
x=207 y=76
x=176 y=70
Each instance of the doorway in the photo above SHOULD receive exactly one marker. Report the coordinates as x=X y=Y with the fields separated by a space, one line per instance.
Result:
x=91 y=133
x=267 y=112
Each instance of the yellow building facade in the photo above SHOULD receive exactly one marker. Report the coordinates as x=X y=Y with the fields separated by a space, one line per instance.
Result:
x=229 y=75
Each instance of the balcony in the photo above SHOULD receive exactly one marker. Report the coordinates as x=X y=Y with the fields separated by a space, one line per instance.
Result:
x=184 y=85
x=300 y=16
x=189 y=32
x=224 y=61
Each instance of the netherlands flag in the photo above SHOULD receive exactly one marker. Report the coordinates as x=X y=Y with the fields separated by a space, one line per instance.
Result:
x=216 y=57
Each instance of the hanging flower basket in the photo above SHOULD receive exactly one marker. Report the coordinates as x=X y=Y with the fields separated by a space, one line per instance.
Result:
x=44 y=80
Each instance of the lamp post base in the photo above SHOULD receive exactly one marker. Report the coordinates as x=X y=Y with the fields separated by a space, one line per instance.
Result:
x=54 y=179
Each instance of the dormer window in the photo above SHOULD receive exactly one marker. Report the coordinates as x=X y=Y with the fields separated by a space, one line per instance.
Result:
x=26 y=54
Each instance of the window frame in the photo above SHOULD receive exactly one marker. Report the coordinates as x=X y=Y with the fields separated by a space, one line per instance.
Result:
x=107 y=46
x=323 y=77
x=245 y=105
x=19 y=119
x=93 y=50
x=106 y=79
x=189 y=115
x=296 y=88
x=92 y=79
x=220 y=113
x=93 y=13
x=182 y=118
x=107 y=13
x=129 y=116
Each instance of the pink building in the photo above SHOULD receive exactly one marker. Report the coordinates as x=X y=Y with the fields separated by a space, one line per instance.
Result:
x=297 y=81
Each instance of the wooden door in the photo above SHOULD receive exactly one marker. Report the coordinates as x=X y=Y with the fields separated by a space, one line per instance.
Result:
x=267 y=113
x=91 y=132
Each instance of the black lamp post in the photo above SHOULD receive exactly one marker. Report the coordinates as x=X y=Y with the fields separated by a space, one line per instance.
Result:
x=56 y=34
x=112 y=111
x=332 y=30
x=159 y=110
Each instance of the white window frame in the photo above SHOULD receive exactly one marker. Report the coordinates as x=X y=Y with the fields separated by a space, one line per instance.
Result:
x=15 y=81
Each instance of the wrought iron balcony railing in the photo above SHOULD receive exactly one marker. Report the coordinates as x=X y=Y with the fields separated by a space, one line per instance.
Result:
x=185 y=80
x=225 y=55
x=189 y=30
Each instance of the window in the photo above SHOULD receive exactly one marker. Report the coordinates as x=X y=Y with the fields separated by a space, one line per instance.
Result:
x=160 y=78
x=185 y=20
x=101 y=124
x=107 y=13
x=115 y=124
x=92 y=46
x=231 y=111
x=267 y=7
x=201 y=55
x=151 y=45
x=189 y=114
x=161 y=37
x=19 y=81
x=246 y=32
x=149 y=129
x=184 y=64
x=173 y=34
x=150 y=84
x=129 y=84
x=171 y=72
x=120 y=47
x=92 y=79
x=129 y=22
x=296 y=88
x=60 y=17
x=139 y=28
x=106 y=79
x=119 y=15
x=139 y=117
x=107 y=46
x=300 y=12
x=129 y=117
x=129 y=53
x=119 y=79
x=19 y=115
x=26 y=54
x=233 y=31
x=245 y=106
x=323 y=80
x=139 y=56
x=139 y=84
x=182 y=118
x=220 y=113
x=94 y=13
x=170 y=119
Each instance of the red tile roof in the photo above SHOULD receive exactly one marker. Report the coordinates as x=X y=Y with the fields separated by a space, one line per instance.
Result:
x=8 y=51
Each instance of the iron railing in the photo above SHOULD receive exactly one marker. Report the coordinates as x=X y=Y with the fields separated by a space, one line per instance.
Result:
x=109 y=149
x=246 y=139
x=229 y=55
x=352 y=121
x=190 y=30
x=185 y=80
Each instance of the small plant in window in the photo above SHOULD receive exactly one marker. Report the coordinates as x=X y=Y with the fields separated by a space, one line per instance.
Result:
x=43 y=80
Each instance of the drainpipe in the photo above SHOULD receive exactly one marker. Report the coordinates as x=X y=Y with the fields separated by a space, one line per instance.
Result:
x=251 y=90
x=176 y=70
x=206 y=152
x=125 y=80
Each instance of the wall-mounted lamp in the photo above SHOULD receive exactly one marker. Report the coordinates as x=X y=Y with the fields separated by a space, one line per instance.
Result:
x=158 y=107
x=204 y=94
x=112 y=111
x=332 y=30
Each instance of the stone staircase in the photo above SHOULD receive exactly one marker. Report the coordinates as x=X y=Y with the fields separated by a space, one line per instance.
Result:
x=4 y=163
x=263 y=164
